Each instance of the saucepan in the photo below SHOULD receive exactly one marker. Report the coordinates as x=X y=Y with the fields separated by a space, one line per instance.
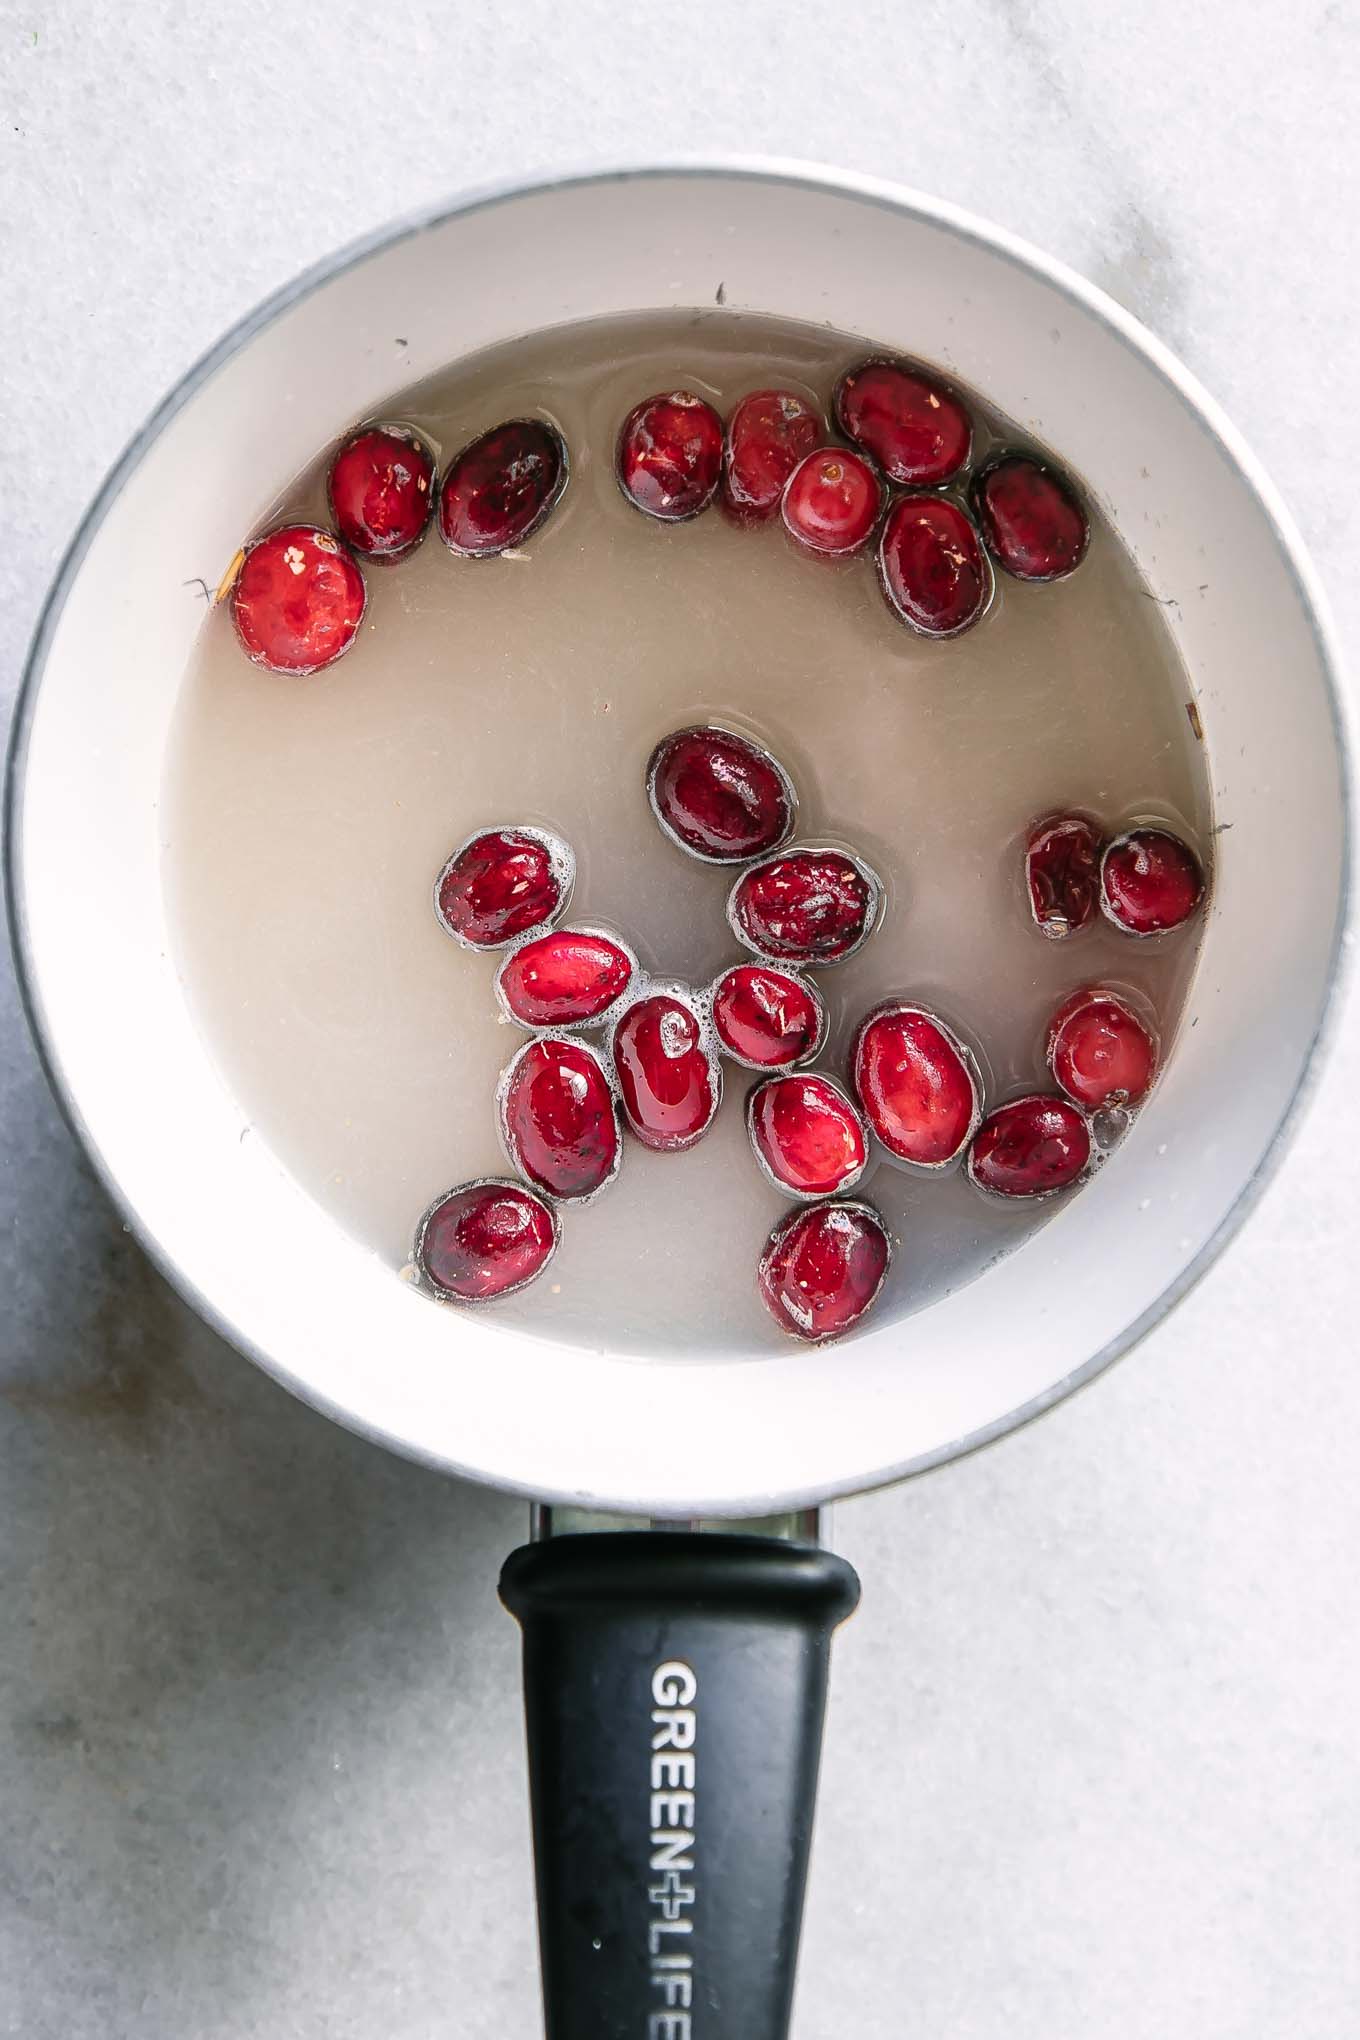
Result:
x=676 y=1607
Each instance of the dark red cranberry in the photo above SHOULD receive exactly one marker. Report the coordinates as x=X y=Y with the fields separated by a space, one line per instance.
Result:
x=807 y=1135
x=557 y=1117
x=382 y=491
x=768 y=1019
x=719 y=795
x=565 y=977
x=298 y=600
x=821 y=1269
x=832 y=501
x=1062 y=874
x=502 y=883
x=916 y=1085
x=671 y=1087
x=1149 y=881
x=915 y=428
x=805 y=906
x=932 y=566
x=501 y=487
x=767 y=435
x=1099 y=1051
x=670 y=455
x=1034 y=526
x=485 y=1240
x=1029 y=1147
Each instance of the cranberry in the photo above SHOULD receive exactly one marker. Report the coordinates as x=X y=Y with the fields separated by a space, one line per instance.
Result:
x=1062 y=859
x=1099 y=1051
x=670 y=1084
x=1029 y=1148
x=485 y=1240
x=805 y=906
x=1034 y=526
x=807 y=1135
x=821 y=1269
x=719 y=795
x=564 y=978
x=557 y=1117
x=932 y=566
x=298 y=600
x=670 y=455
x=767 y=435
x=382 y=491
x=832 y=501
x=915 y=428
x=768 y=1019
x=916 y=1084
x=1149 y=881
x=501 y=883
x=501 y=487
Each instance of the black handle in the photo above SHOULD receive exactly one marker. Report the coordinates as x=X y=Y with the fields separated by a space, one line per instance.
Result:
x=674 y=1689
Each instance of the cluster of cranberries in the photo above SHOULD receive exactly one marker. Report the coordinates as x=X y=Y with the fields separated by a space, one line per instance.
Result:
x=1145 y=881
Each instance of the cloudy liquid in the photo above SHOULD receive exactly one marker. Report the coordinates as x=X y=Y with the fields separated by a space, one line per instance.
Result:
x=306 y=819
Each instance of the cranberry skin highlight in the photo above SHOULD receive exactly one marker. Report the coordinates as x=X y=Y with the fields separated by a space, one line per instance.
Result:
x=670 y=453
x=822 y=1269
x=1099 y=1051
x=1030 y=520
x=768 y=433
x=807 y=1135
x=1062 y=874
x=502 y=883
x=718 y=795
x=1030 y=1148
x=805 y=906
x=932 y=567
x=484 y=1240
x=565 y=978
x=298 y=600
x=381 y=490
x=916 y=1085
x=1149 y=882
x=831 y=502
x=670 y=1085
x=909 y=422
x=558 y=1119
x=767 y=1019
x=500 y=488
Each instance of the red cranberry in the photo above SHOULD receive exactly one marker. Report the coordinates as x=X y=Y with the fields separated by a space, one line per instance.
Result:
x=670 y=455
x=1149 y=881
x=564 y=978
x=502 y=883
x=485 y=1240
x=1030 y=1147
x=557 y=1117
x=916 y=1084
x=382 y=491
x=805 y=906
x=501 y=487
x=298 y=600
x=768 y=1019
x=807 y=1135
x=915 y=428
x=671 y=1086
x=767 y=435
x=832 y=501
x=1099 y=1051
x=932 y=566
x=1034 y=526
x=821 y=1269
x=1062 y=859
x=719 y=795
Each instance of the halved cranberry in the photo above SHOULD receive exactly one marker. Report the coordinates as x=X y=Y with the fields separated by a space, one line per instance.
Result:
x=914 y=427
x=805 y=906
x=767 y=435
x=821 y=1269
x=718 y=795
x=501 y=487
x=1029 y=1148
x=832 y=501
x=1149 y=881
x=564 y=978
x=1099 y=1051
x=1033 y=524
x=916 y=1084
x=768 y=1019
x=501 y=883
x=1062 y=876
x=485 y=1240
x=298 y=600
x=807 y=1135
x=671 y=1086
x=670 y=455
x=557 y=1117
x=382 y=491
x=932 y=566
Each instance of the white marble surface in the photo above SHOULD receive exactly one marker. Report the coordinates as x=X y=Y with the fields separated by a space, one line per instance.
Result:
x=1094 y=1763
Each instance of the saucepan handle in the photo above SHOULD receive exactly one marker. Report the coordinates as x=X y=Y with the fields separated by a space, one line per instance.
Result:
x=675 y=1685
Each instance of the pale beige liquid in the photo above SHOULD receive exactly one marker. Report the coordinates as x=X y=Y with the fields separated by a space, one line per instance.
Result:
x=306 y=820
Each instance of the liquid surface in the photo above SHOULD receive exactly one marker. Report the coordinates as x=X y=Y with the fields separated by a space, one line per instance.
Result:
x=305 y=821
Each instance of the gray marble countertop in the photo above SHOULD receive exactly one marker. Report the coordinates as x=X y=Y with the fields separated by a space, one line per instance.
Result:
x=1093 y=1763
